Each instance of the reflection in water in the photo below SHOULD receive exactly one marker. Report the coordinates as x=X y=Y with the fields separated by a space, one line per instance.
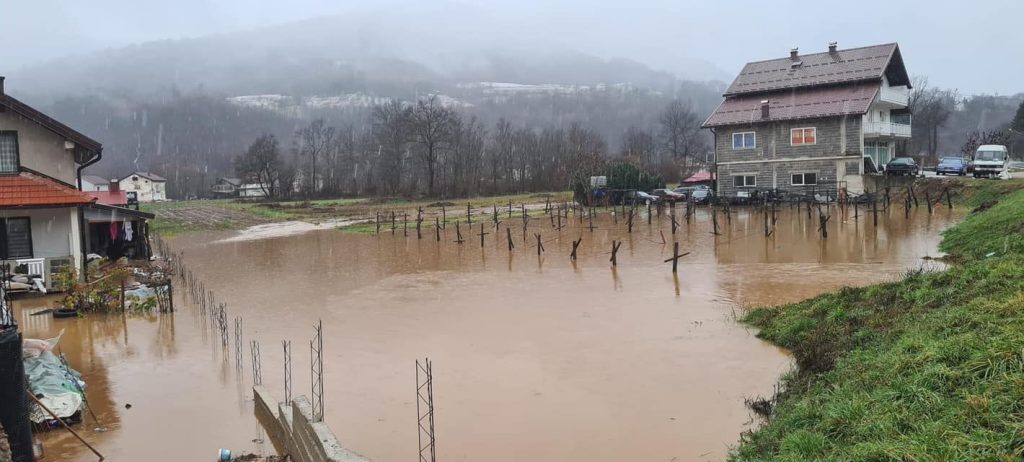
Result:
x=536 y=358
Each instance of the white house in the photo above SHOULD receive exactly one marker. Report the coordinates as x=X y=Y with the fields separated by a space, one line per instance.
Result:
x=46 y=222
x=252 y=190
x=93 y=183
x=148 y=187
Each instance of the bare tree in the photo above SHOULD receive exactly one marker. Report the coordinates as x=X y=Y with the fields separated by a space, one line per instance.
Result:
x=262 y=163
x=390 y=132
x=680 y=133
x=314 y=141
x=431 y=128
x=931 y=108
x=638 y=144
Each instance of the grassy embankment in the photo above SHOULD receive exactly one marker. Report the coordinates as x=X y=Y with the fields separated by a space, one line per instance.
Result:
x=927 y=368
x=174 y=218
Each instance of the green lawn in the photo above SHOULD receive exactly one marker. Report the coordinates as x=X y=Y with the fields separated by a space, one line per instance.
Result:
x=927 y=368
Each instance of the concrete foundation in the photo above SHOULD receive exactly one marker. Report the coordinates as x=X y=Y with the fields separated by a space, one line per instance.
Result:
x=292 y=430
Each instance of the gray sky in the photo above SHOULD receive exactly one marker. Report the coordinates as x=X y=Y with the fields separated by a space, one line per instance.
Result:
x=948 y=41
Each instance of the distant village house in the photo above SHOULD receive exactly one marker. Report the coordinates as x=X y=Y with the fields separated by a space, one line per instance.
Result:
x=226 y=187
x=810 y=124
x=145 y=186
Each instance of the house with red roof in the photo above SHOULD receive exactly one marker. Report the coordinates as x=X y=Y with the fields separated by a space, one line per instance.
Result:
x=46 y=220
x=811 y=124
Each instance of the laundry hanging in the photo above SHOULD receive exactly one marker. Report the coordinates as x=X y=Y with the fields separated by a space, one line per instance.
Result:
x=113 y=231
x=128 y=231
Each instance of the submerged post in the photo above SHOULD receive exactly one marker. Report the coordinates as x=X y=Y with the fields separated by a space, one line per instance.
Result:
x=575 y=245
x=675 y=257
x=615 y=252
x=540 y=245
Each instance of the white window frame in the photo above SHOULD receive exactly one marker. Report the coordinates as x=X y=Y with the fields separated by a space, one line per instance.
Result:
x=803 y=135
x=745 y=176
x=803 y=179
x=742 y=136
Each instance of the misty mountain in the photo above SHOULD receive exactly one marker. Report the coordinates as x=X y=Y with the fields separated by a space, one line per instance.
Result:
x=393 y=57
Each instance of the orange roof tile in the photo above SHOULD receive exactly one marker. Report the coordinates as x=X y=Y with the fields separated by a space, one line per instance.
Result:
x=28 y=189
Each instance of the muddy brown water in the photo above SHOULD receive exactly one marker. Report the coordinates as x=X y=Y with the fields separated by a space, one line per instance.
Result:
x=535 y=358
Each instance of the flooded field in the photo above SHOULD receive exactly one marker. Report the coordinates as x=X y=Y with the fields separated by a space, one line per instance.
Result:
x=534 y=357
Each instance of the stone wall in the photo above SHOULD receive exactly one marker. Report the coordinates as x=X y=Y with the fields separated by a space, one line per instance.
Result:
x=292 y=430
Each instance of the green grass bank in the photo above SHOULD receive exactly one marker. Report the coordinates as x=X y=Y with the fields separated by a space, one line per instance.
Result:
x=930 y=367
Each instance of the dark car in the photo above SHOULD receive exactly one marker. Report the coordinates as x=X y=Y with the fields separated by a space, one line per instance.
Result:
x=951 y=165
x=903 y=166
x=639 y=198
x=701 y=196
x=668 y=195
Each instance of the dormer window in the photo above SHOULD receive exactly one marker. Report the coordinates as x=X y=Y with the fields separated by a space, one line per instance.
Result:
x=8 y=152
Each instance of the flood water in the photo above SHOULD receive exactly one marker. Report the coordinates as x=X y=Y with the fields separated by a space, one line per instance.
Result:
x=534 y=358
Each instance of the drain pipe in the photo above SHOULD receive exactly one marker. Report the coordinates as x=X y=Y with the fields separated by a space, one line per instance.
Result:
x=81 y=218
x=99 y=155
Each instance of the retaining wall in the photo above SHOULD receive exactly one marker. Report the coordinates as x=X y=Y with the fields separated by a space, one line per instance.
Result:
x=292 y=430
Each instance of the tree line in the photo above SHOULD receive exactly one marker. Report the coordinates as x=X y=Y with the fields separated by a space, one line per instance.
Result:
x=429 y=149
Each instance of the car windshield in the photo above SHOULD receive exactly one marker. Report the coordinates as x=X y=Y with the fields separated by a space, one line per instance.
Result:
x=989 y=155
x=902 y=161
x=952 y=161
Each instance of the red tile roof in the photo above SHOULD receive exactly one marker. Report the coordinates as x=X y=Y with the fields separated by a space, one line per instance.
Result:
x=28 y=190
x=795 y=104
x=841 y=66
x=700 y=177
x=110 y=197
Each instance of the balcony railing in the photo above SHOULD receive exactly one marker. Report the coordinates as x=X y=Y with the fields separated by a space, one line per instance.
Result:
x=899 y=96
x=877 y=129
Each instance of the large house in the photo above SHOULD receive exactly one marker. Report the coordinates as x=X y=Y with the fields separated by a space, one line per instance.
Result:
x=811 y=124
x=46 y=221
x=145 y=186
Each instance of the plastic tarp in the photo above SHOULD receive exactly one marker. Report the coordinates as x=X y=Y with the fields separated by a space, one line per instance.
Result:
x=56 y=386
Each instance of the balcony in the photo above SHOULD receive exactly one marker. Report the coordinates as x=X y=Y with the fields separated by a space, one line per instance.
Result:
x=886 y=129
x=898 y=96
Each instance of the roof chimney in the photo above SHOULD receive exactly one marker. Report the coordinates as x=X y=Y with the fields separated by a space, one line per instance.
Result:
x=794 y=54
x=115 y=186
x=765 y=114
x=832 y=46
x=1 y=85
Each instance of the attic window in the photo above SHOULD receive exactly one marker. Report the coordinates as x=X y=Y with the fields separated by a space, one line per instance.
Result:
x=8 y=152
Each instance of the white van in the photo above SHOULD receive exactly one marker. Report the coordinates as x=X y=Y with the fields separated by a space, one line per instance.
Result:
x=990 y=160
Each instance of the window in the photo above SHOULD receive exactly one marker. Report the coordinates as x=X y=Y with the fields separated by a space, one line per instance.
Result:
x=805 y=179
x=744 y=140
x=802 y=136
x=135 y=178
x=744 y=181
x=15 y=238
x=8 y=152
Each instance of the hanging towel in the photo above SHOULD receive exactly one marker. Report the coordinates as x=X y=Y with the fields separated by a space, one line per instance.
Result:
x=128 y=231
x=113 y=231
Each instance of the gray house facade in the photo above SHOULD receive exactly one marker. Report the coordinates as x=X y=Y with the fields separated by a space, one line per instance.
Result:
x=811 y=124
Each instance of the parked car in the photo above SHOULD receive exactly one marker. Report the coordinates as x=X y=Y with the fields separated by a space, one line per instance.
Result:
x=701 y=196
x=951 y=165
x=686 y=191
x=639 y=197
x=668 y=195
x=904 y=166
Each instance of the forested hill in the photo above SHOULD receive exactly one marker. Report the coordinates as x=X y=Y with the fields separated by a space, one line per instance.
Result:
x=193 y=105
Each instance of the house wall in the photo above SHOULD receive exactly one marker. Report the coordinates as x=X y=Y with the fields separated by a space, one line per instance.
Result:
x=88 y=186
x=55 y=236
x=40 y=149
x=774 y=160
x=147 y=190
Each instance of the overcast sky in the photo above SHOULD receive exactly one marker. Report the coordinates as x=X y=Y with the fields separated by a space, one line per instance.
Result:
x=974 y=46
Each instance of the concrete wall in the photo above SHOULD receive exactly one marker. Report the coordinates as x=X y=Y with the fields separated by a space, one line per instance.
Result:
x=774 y=160
x=40 y=149
x=292 y=430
